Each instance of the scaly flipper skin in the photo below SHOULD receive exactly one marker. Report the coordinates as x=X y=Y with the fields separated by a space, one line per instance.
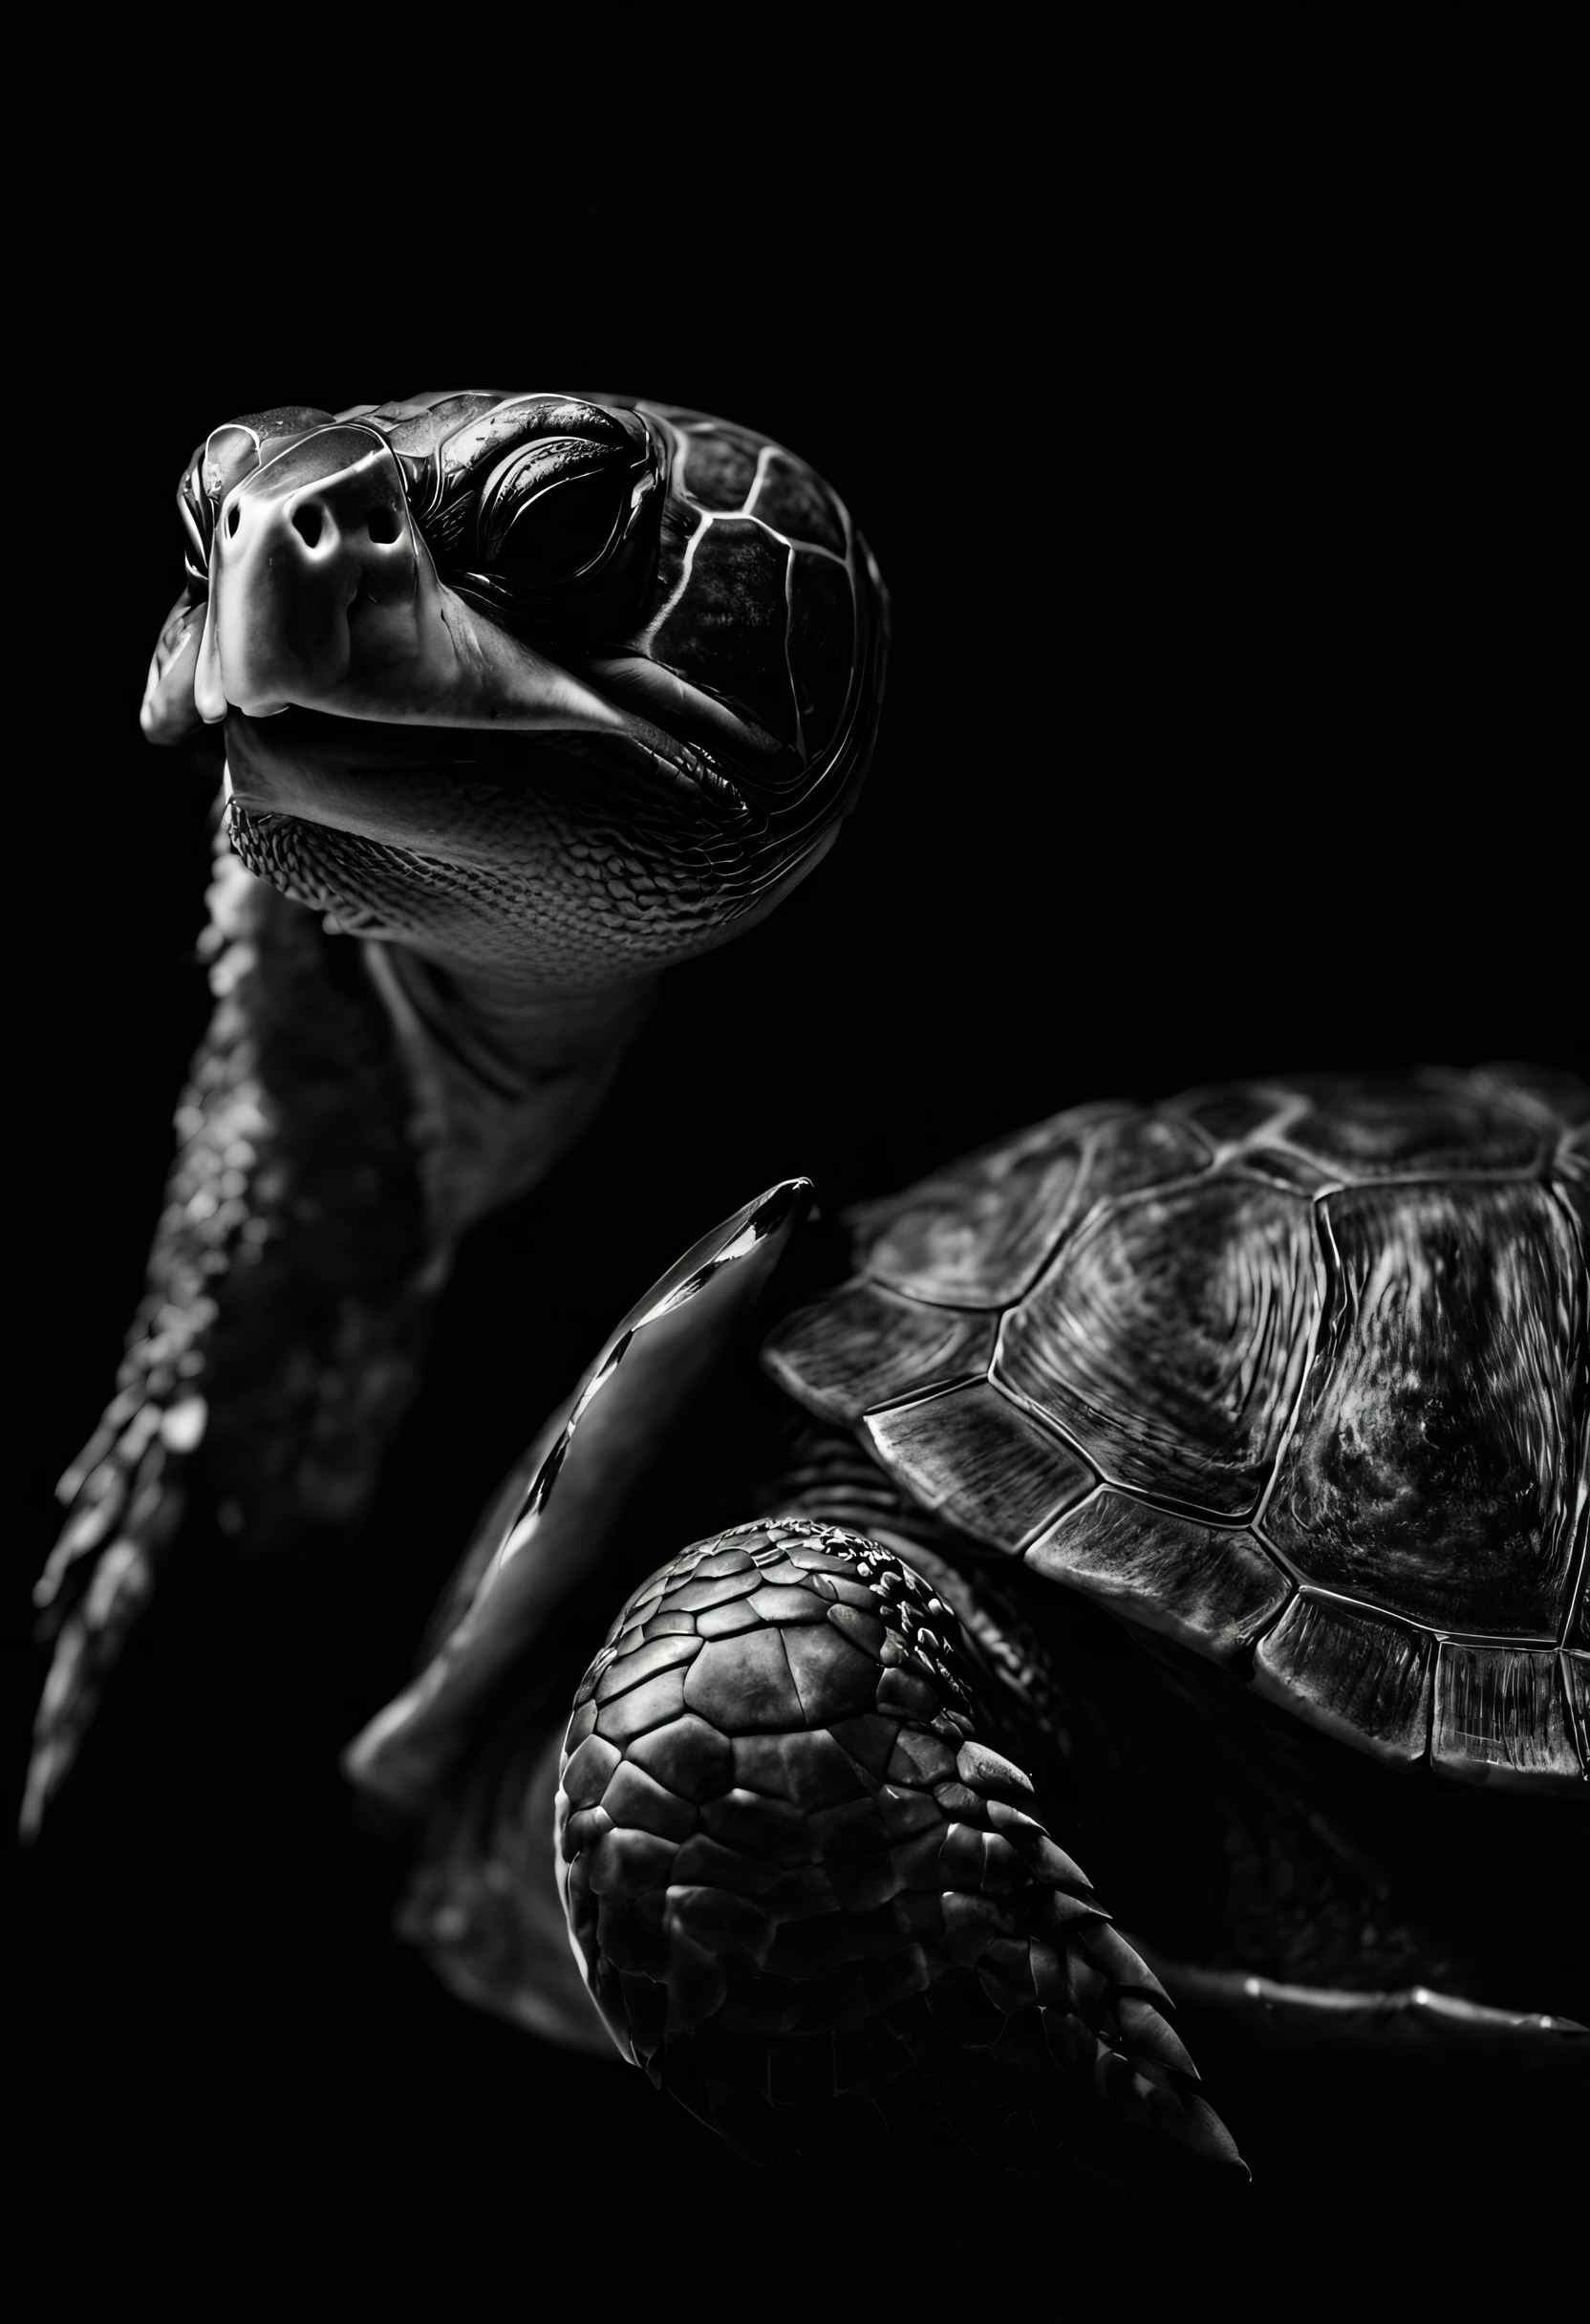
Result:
x=524 y=697
x=782 y=1747
x=810 y=1900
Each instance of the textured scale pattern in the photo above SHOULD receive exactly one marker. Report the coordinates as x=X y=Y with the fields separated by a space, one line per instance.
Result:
x=279 y=1335
x=1292 y=1373
x=810 y=1903
x=578 y=890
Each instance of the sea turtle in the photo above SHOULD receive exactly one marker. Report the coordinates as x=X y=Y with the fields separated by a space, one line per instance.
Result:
x=525 y=697
x=1289 y=1378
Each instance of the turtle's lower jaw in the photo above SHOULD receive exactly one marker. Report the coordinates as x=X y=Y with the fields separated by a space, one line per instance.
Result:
x=811 y=1905
x=562 y=864
x=431 y=789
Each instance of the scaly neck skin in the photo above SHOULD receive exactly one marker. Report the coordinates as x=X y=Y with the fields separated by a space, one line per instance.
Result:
x=507 y=1077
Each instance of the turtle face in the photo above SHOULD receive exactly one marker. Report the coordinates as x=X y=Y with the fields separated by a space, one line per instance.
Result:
x=517 y=678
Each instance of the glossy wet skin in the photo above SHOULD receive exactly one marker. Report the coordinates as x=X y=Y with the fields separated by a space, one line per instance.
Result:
x=500 y=677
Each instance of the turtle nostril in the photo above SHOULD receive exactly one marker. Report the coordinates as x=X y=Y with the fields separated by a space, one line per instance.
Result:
x=307 y=522
x=383 y=525
x=232 y=515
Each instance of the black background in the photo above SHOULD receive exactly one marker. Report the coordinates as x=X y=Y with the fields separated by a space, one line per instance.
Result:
x=1203 y=381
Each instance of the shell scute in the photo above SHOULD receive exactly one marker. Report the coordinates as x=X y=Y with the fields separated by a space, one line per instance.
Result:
x=866 y=1345
x=1429 y=1470
x=1365 y=1680
x=1430 y=1123
x=1324 y=1340
x=1209 y=1588
x=976 y=1233
x=1137 y=1151
x=1232 y=1112
x=1502 y=1718
x=1170 y=1336
x=976 y=1457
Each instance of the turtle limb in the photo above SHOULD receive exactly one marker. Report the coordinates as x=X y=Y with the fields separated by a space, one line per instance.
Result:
x=483 y=1904
x=810 y=1900
x=796 y=1874
x=546 y=1531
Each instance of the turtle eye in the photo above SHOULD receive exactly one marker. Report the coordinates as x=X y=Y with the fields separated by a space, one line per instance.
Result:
x=551 y=510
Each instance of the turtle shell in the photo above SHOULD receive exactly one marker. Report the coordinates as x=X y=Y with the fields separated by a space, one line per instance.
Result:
x=1293 y=1373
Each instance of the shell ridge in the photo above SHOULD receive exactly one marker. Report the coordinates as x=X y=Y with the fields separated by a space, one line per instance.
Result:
x=1287 y=1324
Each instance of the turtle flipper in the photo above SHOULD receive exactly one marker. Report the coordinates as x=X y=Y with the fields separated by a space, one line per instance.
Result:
x=802 y=1889
x=483 y=1904
x=809 y=1901
x=546 y=1530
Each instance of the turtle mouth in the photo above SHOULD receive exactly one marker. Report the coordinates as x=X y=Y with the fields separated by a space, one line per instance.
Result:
x=418 y=786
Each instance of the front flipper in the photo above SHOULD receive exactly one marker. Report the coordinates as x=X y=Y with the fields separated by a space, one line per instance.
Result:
x=548 y=1527
x=812 y=1903
x=483 y=1904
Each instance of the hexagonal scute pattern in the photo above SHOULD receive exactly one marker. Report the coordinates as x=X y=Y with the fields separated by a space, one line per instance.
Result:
x=1211 y=1588
x=1170 y=1336
x=976 y=1234
x=813 y=1905
x=1430 y=1124
x=1432 y=1468
x=975 y=1457
x=1344 y=1319
x=866 y=1345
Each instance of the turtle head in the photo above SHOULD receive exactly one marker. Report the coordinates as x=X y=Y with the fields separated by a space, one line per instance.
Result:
x=508 y=678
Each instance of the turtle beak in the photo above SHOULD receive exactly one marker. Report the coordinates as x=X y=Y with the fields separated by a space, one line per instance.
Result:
x=323 y=596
